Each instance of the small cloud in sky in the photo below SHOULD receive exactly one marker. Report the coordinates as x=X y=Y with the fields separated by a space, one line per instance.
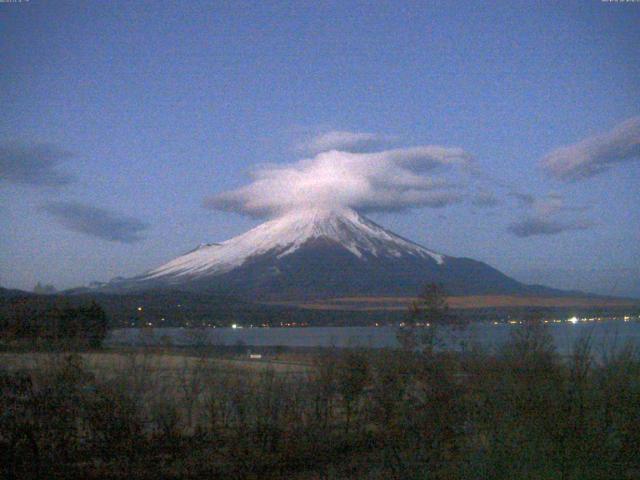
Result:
x=36 y=164
x=343 y=141
x=550 y=204
x=524 y=199
x=97 y=222
x=547 y=215
x=381 y=181
x=533 y=226
x=595 y=154
x=547 y=204
x=485 y=199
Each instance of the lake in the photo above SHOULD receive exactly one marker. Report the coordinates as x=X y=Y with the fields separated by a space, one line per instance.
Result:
x=604 y=334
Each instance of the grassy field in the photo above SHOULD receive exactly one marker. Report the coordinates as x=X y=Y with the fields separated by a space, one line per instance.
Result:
x=176 y=360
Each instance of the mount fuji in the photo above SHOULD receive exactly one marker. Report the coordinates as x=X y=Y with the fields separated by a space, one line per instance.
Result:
x=323 y=253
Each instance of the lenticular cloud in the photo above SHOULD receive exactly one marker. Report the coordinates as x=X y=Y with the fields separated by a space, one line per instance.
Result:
x=388 y=180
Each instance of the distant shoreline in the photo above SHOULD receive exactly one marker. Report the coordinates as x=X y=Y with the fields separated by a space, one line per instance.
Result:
x=459 y=302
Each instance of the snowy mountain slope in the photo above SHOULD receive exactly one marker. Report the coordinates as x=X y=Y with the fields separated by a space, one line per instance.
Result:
x=286 y=234
x=322 y=254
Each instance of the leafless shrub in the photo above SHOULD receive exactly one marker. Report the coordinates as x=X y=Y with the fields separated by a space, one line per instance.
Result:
x=523 y=412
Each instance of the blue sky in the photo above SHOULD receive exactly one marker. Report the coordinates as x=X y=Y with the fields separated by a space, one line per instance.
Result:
x=126 y=116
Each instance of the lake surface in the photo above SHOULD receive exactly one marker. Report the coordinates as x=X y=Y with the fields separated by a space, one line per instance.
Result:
x=605 y=335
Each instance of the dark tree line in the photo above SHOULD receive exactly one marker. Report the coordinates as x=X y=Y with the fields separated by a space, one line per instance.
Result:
x=26 y=319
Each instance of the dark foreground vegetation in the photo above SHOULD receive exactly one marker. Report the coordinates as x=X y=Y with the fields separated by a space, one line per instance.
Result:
x=46 y=325
x=522 y=412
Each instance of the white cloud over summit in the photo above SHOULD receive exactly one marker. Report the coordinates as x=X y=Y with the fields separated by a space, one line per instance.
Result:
x=394 y=179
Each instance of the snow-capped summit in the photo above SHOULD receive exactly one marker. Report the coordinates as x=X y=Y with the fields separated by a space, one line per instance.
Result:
x=313 y=253
x=286 y=234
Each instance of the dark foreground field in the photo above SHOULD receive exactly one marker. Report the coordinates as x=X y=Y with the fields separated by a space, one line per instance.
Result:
x=521 y=413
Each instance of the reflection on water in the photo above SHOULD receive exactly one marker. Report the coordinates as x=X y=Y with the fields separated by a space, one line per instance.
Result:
x=604 y=335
